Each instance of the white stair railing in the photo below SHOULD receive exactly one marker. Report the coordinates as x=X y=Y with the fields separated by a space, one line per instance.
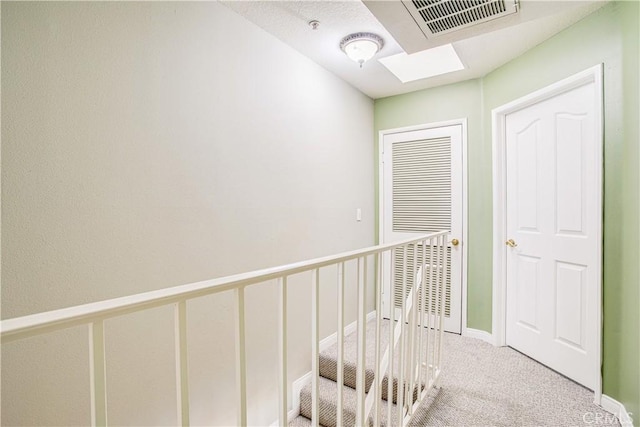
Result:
x=419 y=364
x=421 y=318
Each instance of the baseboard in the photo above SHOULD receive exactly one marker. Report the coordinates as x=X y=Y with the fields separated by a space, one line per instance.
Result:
x=296 y=388
x=479 y=334
x=611 y=405
x=298 y=385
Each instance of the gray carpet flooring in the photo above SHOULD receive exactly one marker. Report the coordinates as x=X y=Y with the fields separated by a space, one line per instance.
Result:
x=483 y=385
x=480 y=385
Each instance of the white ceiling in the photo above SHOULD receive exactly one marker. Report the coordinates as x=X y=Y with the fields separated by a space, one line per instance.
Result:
x=288 y=21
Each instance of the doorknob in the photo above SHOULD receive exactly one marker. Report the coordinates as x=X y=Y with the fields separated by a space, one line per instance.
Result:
x=455 y=242
x=511 y=243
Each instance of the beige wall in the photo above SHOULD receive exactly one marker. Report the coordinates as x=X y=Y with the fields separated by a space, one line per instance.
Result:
x=146 y=145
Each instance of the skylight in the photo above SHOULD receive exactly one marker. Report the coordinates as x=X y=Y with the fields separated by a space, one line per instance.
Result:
x=420 y=65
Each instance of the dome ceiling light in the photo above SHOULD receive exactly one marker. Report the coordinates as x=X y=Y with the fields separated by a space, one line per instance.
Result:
x=361 y=47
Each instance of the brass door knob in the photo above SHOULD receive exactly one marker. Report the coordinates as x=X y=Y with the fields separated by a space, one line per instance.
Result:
x=511 y=243
x=455 y=242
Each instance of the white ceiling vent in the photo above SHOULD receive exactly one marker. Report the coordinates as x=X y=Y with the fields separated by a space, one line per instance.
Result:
x=422 y=24
x=437 y=17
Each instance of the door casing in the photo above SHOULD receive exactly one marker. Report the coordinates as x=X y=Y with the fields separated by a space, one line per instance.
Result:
x=463 y=123
x=591 y=75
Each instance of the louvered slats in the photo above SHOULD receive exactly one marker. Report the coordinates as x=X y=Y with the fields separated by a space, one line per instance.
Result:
x=443 y=15
x=421 y=181
x=422 y=185
x=411 y=275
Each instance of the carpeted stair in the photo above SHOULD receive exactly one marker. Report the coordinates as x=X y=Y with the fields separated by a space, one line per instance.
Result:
x=328 y=386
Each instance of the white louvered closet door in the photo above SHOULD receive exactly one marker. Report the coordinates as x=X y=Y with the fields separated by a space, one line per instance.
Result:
x=422 y=178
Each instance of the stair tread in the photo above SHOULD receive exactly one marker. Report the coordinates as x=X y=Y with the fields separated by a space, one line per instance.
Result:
x=300 y=421
x=327 y=402
x=328 y=358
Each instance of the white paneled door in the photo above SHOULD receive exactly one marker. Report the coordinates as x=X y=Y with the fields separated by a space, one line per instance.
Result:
x=553 y=216
x=422 y=192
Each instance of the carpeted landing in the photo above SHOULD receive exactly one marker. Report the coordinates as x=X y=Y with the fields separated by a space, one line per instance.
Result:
x=480 y=385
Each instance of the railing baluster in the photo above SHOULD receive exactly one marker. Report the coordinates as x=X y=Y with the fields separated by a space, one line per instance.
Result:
x=430 y=316
x=315 y=347
x=182 y=370
x=421 y=308
x=392 y=315
x=376 y=375
x=340 y=361
x=241 y=358
x=282 y=350
x=445 y=264
x=436 y=340
x=362 y=333
x=98 y=374
x=401 y=367
x=412 y=328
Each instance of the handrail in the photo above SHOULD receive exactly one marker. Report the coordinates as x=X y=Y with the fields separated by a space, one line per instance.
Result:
x=94 y=314
x=45 y=322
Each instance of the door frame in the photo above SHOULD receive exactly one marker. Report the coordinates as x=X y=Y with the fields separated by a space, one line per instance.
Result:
x=499 y=114
x=463 y=123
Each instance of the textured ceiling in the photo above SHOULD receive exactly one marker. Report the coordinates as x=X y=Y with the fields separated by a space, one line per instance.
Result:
x=288 y=21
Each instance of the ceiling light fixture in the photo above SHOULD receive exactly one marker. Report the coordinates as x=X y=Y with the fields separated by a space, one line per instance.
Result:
x=361 y=47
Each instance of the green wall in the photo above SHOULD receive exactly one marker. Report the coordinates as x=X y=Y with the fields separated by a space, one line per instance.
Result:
x=609 y=36
x=461 y=100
